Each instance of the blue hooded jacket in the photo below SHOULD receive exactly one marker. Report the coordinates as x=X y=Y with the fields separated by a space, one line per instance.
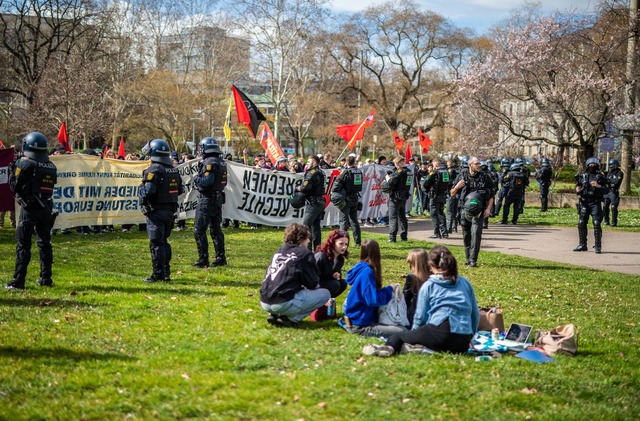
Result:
x=363 y=299
x=439 y=300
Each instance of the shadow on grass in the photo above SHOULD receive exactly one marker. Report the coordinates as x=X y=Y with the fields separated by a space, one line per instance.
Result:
x=57 y=353
x=162 y=288
x=42 y=302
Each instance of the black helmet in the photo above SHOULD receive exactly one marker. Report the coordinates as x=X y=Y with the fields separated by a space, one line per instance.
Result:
x=545 y=161
x=338 y=200
x=484 y=165
x=592 y=161
x=505 y=162
x=465 y=162
x=209 y=145
x=297 y=200
x=472 y=206
x=159 y=151
x=515 y=167
x=519 y=161
x=614 y=161
x=34 y=146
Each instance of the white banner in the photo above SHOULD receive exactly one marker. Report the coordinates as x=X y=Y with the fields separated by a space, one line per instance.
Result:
x=94 y=191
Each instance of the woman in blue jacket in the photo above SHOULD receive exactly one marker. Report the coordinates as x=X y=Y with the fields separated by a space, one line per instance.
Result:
x=446 y=313
x=367 y=295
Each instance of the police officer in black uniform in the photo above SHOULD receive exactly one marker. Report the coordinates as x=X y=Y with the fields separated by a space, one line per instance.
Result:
x=543 y=176
x=505 y=167
x=399 y=186
x=350 y=180
x=437 y=183
x=452 y=201
x=515 y=182
x=313 y=189
x=32 y=180
x=210 y=182
x=591 y=187
x=158 y=196
x=612 y=199
x=475 y=181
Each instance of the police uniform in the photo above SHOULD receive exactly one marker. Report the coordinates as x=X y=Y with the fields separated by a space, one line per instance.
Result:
x=399 y=186
x=437 y=183
x=590 y=199
x=210 y=181
x=313 y=189
x=502 y=192
x=452 y=204
x=33 y=181
x=543 y=176
x=612 y=198
x=472 y=227
x=158 y=194
x=515 y=182
x=350 y=179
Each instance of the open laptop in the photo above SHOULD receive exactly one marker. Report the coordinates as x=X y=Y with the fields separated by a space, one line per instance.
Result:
x=517 y=336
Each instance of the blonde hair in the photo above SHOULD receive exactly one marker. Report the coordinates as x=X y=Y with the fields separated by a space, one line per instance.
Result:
x=418 y=260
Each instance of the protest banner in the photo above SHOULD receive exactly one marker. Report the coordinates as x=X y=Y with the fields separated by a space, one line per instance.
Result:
x=94 y=191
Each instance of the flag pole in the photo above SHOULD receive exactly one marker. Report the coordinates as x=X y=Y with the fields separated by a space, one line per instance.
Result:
x=354 y=136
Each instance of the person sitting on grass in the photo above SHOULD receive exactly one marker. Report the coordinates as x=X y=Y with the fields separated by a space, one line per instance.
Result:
x=446 y=314
x=330 y=260
x=290 y=289
x=418 y=274
x=367 y=295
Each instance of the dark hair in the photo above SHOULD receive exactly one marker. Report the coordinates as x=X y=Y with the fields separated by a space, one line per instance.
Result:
x=441 y=258
x=351 y=160
x=316 y=158
x=327 y=247
x=296 y=234
x=370 y=253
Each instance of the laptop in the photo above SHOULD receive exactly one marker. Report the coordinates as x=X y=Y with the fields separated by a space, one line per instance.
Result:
x=516 y=337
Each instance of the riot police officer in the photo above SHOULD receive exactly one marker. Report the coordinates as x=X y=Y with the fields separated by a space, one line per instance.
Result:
x=313 y=189
x=350 y=180
x=452 y=201
x=437 y=185
x=158 y=196
x=32 y=180
x=484 y=167
x=399 y=186
x=543 y=176
x=612 y=199
x=473 y=181
x=505 y=167
x=210 y=182
x=591 y=187
x=527 y=173
x=515 y=182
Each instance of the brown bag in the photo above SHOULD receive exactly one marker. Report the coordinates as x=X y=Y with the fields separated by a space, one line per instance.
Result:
x=561 y=340
x=491 y=318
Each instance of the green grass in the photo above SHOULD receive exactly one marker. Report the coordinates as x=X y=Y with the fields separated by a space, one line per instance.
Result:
x=103 y=345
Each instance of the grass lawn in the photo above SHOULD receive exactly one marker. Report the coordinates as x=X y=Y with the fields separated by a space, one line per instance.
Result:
x=101 y=344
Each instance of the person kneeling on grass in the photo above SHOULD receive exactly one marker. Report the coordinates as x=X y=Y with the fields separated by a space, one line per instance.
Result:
x=446 y=314
x=290 y=287
x=367 y=295
x=330 y=260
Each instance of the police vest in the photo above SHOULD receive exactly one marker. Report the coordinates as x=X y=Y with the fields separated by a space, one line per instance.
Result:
x=353 y=180
x=479 y=184
x=167 y=184
x=44 y=179
x=517 y=181
x=615 y=178
x=589 y=192
x=216 y=167
x=544 y=174
x=402 y=186
x=441 y=184
x=314 y=177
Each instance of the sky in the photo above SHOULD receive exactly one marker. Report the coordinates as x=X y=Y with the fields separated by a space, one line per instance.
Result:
x=479 y=15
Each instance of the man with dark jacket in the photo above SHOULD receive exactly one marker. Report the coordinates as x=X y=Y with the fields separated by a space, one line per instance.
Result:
x=313 y=189
x=398 y=184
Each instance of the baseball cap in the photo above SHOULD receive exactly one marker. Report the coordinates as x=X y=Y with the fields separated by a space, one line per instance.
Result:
x=352 y=155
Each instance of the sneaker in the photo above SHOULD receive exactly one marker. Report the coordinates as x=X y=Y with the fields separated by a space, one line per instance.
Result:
x=282 y=321
x=368 y=225
x=415 y=349
x=319 y=314
x=378 y=350
x=45 y=282
x=14 y=285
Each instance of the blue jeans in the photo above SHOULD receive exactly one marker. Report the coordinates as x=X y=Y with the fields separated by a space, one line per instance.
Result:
x=302 y=304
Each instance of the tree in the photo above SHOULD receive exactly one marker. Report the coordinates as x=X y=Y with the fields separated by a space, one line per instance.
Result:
x=400 y=60
x=554 y=80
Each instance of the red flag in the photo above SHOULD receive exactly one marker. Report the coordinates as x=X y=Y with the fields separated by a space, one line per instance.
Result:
x=425 y=142
x=347 y=131
x=399 y=142
x=63 y=138
x=105 y=151
x=247 y=112
x=359 y=134
x=121 y=148
x=407 y=154
x=270 y=144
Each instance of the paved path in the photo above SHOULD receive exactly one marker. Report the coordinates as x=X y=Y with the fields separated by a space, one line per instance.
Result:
x=620 y=250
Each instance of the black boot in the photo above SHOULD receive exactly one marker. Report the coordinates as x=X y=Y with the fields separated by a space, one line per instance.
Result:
x=597 y=233
x=219 y=261
x=582 y=239
x=202 y=262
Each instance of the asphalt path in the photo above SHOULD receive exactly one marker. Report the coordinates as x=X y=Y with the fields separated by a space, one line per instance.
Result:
x=620 y=250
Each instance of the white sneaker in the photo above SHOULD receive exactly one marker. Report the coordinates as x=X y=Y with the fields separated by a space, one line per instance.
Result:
x=415 y=349
x=378 y=350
